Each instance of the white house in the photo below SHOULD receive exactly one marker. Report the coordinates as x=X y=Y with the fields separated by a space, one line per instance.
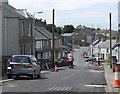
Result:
x=102 y=50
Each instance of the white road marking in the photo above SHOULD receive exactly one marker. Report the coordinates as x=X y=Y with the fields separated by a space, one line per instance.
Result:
x=96 y=86
x=60 y=88
x=96 y=71
x=9 y=85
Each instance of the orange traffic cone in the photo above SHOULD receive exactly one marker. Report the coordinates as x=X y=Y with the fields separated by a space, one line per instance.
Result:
x=116 y=81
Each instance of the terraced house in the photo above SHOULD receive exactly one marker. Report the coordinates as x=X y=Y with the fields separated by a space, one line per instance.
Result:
x=19 y=35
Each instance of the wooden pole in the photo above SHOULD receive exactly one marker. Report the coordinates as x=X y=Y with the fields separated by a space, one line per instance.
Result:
x=110 y=43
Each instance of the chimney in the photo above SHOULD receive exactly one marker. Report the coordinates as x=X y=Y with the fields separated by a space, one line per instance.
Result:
x=4 y=1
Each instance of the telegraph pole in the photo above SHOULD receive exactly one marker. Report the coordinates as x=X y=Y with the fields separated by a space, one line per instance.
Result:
x=110 y=43
x=53 y=42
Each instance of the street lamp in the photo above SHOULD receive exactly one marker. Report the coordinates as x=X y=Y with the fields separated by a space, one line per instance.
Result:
x=34 y=30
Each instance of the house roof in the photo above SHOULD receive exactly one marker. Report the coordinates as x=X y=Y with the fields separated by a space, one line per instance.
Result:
x=24 y=13
x=44 y=32
x=105 y=44
x=85 y=31
x=67 y=34
x=117 y=44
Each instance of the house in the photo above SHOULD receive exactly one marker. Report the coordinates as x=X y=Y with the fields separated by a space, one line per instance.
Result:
x=44 y=41
x=117 y=45
x=106 y=33
x=16 y=32
x=102 y=49
x=9 y=29
x=83 y=36
x=26 y=33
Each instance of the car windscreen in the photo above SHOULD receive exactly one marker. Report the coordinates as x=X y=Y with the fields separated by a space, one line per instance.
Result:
x=20 y=59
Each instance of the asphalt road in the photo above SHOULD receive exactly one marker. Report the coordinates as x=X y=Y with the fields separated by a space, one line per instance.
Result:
x=82 y=78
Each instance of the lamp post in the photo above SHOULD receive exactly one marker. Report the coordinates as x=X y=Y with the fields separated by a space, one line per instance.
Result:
x=34 y=30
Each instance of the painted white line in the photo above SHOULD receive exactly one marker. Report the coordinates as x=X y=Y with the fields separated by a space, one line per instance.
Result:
x=52 y=88
x=61 y=88
x=70 y=88
x=6 y=80
x=12 y=85
x=96 y=86
x=96 y=71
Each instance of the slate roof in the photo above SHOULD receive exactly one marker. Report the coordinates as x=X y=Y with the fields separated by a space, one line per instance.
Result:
x=67 y=34
x=44 y=32
x=106 y=44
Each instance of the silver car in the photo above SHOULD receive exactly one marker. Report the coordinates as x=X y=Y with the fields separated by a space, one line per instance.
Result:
x=23 y=65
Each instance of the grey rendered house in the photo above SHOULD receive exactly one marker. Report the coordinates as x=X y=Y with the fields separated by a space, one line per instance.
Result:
x=16 y=32
x=44 y=44
x=9 y=25
x=26 y=34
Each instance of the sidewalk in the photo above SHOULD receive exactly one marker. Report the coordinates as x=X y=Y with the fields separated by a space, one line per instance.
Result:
x=109 y=75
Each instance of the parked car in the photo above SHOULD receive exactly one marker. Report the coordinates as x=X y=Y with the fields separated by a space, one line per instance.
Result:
x=23 y=65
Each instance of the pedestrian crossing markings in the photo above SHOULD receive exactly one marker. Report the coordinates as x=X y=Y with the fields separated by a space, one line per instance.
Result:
x=60 y=88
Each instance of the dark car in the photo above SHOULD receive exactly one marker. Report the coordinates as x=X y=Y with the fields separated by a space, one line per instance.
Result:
x=23 y=65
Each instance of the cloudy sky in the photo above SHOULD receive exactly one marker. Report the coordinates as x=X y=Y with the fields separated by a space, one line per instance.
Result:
x=92 y=13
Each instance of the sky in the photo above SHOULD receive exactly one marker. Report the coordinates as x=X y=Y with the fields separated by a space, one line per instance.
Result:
x=91 y=13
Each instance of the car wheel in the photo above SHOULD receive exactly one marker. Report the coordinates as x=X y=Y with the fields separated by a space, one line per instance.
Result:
x=9 y=76
x=33 y=76
x=38 y=76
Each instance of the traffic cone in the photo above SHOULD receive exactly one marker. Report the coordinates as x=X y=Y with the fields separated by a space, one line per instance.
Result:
x=116 y=81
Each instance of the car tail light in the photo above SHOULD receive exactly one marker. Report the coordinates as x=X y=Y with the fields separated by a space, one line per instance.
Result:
x=30 y=65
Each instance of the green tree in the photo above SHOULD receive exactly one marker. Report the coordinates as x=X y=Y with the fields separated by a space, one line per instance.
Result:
x=59 y=30
x=68 y=28
x=49 y=28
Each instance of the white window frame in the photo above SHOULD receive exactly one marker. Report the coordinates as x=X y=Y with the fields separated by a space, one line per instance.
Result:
x=23 y=23
x=29 y=29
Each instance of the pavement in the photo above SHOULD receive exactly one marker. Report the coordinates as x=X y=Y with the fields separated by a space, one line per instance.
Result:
x=109 y=75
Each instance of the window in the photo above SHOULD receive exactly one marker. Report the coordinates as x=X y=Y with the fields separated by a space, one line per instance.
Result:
x=22 y=49
x=29 y=29
x=23 y=25
x=107 y=50
x=30 y=49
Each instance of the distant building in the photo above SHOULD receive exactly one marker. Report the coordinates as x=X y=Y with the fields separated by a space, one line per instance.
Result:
x=83 y=36
x=102 y=50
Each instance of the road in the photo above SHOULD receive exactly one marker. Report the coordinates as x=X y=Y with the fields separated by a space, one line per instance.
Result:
x=82 y=78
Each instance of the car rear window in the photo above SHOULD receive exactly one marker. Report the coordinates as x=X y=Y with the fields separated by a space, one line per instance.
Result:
x=20 y=59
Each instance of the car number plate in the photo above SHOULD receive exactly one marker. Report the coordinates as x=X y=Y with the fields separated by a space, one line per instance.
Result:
x=19 y=66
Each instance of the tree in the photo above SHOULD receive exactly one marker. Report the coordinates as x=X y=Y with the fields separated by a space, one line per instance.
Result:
x=49 y=28
x=59 y=30
x=98 y=29
x=68 y=28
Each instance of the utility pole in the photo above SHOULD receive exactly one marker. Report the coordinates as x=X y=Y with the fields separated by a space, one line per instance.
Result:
x=53 y=42
x=110 y=43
